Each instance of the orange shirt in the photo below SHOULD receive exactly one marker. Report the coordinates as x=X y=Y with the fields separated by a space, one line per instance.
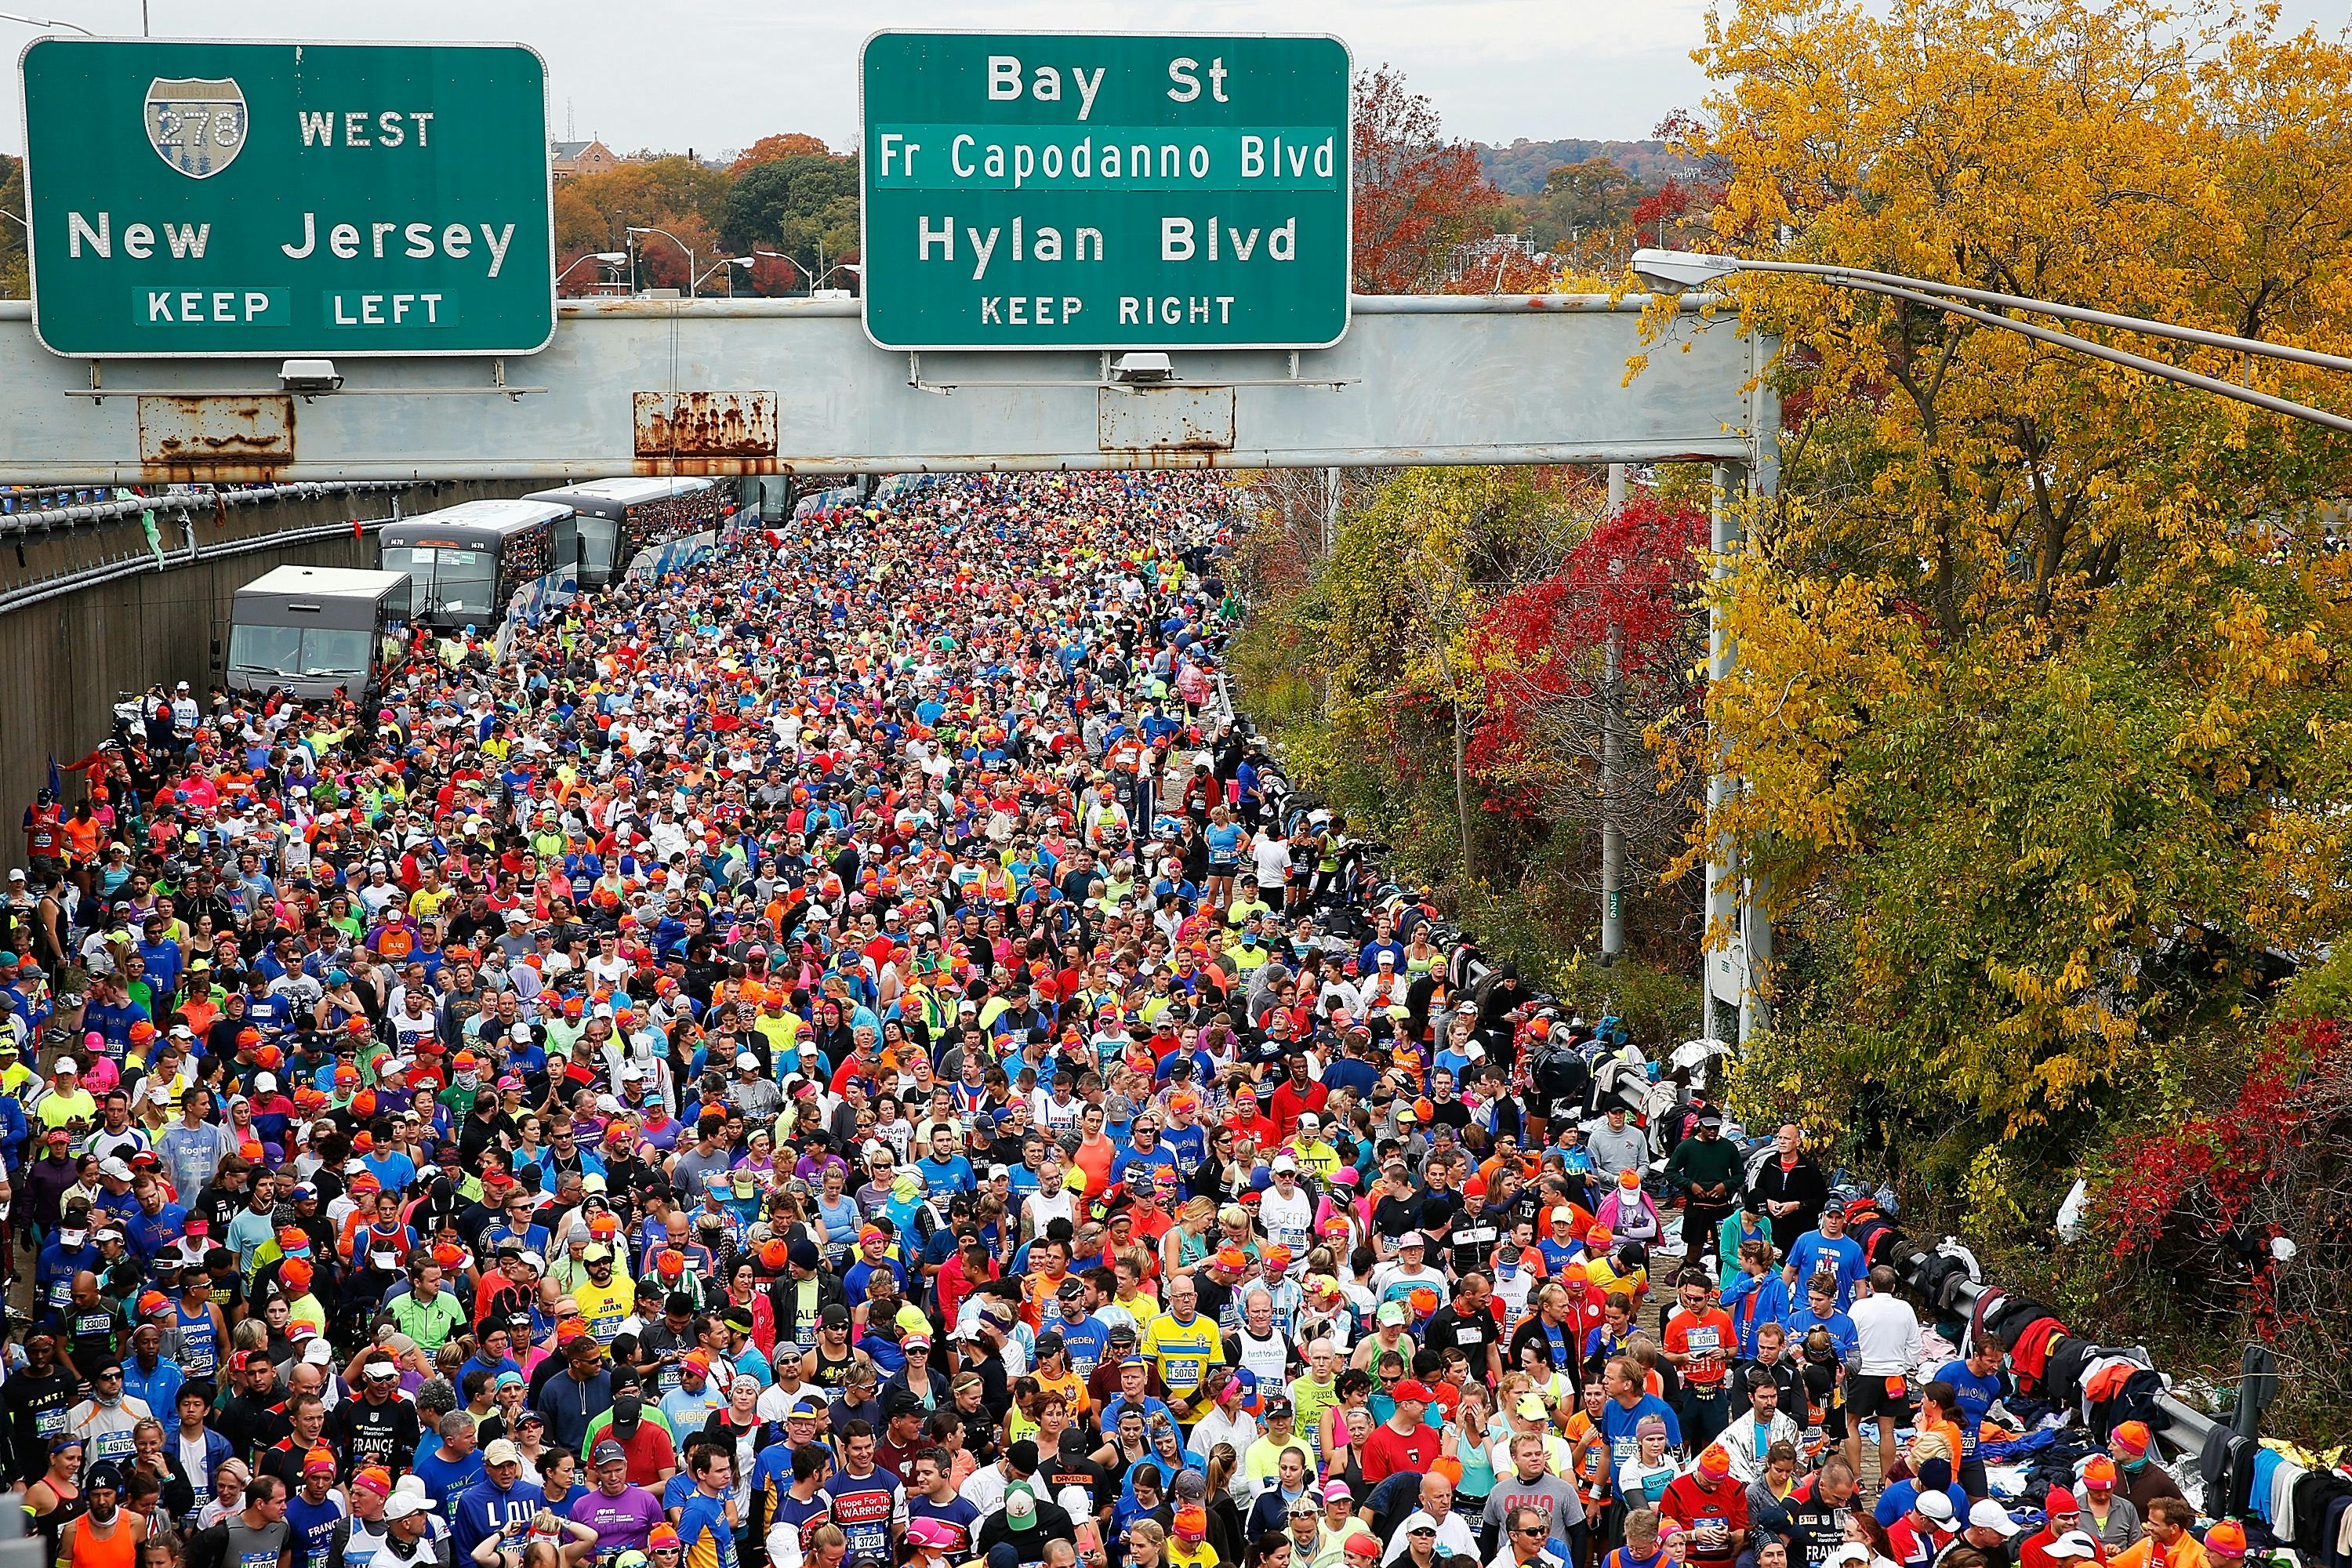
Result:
x=1948 y=1431
x=1707 y=1335
x=2185 y=1553
x=1591 y=1457
x=1093 y=1158
x=1035 y=1292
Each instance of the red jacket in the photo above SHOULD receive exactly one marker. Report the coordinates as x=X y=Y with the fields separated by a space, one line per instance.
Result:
x=1290 y=1101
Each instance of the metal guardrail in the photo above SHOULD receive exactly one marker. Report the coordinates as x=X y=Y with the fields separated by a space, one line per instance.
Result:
x=144 y=562
x=2186 y=1427
x=175 y=501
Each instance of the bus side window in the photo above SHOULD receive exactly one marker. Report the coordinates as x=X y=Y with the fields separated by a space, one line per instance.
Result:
x=567 y=543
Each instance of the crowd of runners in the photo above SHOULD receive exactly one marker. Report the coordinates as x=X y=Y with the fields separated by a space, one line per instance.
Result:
x=842 y=1059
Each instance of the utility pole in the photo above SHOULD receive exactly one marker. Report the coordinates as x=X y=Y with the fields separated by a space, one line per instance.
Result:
x=1733 y=914
x=1330 y=511
x=1613 y=763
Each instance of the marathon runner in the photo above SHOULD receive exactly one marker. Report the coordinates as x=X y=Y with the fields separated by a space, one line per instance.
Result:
x=850 y=1056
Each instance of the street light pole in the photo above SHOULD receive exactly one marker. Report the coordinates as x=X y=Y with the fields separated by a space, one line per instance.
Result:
x=605 y=258
x=1674 y=270
x=53 y=22
x=776 y=255
x=1612 y=717
x=647 y=229
x=727 y=265
x=818 y=282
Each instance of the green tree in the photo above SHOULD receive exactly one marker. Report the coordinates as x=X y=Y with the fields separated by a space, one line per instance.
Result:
x=803 y=204
x=1591 y=197
x=13 y=274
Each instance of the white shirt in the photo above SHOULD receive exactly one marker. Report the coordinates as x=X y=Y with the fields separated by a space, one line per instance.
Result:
x=1887 y=1335
x=984 y=1489
x=1454 y=1539
x=1289 y=1221
x=1240 y=1429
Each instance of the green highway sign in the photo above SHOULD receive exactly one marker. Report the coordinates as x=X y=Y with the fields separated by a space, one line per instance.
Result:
x=258 y=199
x=1104 y=191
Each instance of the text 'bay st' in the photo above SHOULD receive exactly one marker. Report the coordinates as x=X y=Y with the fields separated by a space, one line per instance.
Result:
x=1062 y=191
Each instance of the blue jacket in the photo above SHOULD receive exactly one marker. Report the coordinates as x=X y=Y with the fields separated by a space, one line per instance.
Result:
x=1754 y=1301
x=483 y=1509
x=14 y=1132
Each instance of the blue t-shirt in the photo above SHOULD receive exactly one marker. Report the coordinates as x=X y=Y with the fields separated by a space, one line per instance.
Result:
x=1085 y=1340
x=952 y=1175
x=956 y=1514
x=1803 y=1322
x=389 y=1166
x=1618 y=1426
x=308 y=1527
x=445 y=1481
x=1977 y=1396
x=1190 y=1145
x=152 y=1233
x=703 y=1531
x=1157 y=1157
x=1813 y=1253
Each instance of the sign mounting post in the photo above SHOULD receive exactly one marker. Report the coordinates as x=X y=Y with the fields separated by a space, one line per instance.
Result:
x=1100 y=191
x=191 y=200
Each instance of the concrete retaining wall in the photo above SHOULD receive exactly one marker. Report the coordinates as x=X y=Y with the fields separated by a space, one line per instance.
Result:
x=71 y=643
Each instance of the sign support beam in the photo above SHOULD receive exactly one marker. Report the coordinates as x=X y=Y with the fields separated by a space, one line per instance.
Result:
x=777 y=387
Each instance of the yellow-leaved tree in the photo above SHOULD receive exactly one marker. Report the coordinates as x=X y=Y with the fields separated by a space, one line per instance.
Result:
x=2041 y=696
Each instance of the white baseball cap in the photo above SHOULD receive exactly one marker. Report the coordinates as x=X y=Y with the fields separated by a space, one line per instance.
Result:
x=1987 y=1515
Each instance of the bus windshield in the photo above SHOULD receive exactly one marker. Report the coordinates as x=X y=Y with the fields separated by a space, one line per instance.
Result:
x=296 y=651
x=448 y=580
x=596 y=536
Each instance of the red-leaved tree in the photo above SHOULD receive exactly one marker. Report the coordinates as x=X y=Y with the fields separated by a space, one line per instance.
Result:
x=2247 y=1208
x=1550 y=704
x=1417 y=193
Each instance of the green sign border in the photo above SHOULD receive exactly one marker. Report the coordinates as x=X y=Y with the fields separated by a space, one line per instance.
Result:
x=329 y=348
x=865 y=206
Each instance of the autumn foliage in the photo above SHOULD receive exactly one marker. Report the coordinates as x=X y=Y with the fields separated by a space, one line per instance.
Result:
x=2039 y=709
x=2247 y=1208
x=783 y=144
x=1542 y=649
x=754 y=205
x=1417 y=193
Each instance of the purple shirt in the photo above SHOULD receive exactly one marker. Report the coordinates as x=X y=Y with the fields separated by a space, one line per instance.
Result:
x=621 y=1523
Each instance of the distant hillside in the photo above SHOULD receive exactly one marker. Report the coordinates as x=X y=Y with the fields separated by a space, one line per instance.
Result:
x=1519 y=169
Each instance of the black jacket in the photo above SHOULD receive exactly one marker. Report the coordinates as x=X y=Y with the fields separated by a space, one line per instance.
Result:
x=784 y=1296
x=1053 y=1524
